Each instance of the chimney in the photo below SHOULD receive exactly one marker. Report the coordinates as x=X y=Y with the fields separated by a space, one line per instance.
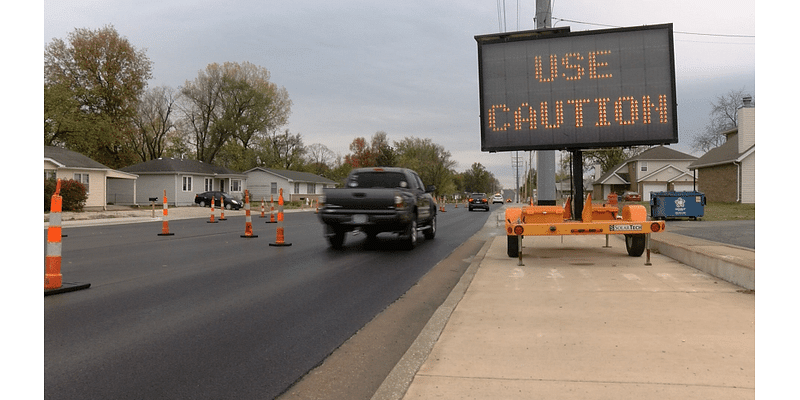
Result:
x=747 y=124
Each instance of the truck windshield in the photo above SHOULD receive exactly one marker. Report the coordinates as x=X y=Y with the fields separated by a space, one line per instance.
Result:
x=378 y=180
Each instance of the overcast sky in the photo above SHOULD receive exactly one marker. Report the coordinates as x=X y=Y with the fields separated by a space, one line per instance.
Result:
x=408 y=68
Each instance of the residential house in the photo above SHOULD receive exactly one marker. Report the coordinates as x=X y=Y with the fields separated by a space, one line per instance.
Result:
x=66 y=164
x=297 y=186
x=728 y=173
x=181 y=179
x=655 y=170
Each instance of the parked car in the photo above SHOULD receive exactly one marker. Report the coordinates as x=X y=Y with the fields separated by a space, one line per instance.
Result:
x=204 y=199
x=631 y=196
x=478 y=200
x=497 y=198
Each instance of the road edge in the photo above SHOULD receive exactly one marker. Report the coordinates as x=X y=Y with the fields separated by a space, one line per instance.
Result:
x=399 y=379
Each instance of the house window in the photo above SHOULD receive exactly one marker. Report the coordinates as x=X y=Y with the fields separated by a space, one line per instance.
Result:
x=311 y=188
x=49 y=174
x=643 y=166
x=84 y=179
x=187 y=183
x=236 y=185
x=273 y=188
x=208 y=184
x=297 y=187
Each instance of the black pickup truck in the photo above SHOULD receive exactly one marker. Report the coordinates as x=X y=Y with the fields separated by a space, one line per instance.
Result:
x=376 y=200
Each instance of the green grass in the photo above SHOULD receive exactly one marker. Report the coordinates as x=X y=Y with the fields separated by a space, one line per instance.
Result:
x=721 y=211
x=729 y=212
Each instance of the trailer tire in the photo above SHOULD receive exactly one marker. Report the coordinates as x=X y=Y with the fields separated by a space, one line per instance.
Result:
x=635 y=244
x=513 y=246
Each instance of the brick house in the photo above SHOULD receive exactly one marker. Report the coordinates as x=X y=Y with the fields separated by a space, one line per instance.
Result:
x=728 y=173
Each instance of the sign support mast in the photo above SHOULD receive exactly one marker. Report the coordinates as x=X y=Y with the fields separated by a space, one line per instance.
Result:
x=546 y=159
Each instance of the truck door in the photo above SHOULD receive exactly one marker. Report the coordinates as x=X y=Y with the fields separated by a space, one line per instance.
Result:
x=423 y=200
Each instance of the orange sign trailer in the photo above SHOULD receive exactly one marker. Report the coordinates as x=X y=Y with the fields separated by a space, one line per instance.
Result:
x=595 y=220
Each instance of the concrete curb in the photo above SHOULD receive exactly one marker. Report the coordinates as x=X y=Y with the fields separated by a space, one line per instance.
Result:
x=396 y=384
x=733 y=264
x=399 y=379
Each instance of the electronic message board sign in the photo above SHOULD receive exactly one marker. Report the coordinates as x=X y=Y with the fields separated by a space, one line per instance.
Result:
x=556 y=90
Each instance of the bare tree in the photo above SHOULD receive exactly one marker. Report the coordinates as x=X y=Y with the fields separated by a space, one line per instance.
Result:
x=722 y=118
x=153 y=121
x=319 y=158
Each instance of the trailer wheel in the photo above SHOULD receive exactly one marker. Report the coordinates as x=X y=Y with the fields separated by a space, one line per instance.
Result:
x=635 y=244
x=513 y=246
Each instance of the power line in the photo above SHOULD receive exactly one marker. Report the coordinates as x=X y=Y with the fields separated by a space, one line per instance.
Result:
x=681 y=32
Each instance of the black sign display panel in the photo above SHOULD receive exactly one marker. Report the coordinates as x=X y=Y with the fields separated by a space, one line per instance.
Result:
x=555 y=89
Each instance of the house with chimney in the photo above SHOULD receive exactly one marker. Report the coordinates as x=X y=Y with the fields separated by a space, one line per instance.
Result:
x=728 y=173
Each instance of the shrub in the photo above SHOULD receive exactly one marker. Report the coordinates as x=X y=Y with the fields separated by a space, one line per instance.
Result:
x=73 y=194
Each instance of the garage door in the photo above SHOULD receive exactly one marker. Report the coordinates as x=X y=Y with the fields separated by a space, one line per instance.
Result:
x=683 y=186
x=652 y=187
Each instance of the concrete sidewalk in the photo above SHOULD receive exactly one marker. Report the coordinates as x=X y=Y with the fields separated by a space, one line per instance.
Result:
x=123 y=215
x=586 y=322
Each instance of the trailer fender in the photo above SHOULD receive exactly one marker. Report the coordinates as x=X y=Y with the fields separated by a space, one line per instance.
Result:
x=634 y=213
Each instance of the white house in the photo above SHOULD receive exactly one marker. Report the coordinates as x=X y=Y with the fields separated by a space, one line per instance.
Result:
x=655 y=170
x=297 y=186
x=66 y=164
x=182 y=179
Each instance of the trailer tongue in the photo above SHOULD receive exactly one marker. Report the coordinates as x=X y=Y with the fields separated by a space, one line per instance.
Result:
x=594 y=220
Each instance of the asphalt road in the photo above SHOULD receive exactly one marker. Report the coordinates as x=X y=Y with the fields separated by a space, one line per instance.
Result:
x=737 y=233
x=208 y=314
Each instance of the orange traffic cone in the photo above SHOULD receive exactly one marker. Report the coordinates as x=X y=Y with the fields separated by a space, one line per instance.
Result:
x=262 y=208
x=211 y=221
x=279 y=239
x=272 y=210
x=248 y=225
x=222 y=208
x=165 y=219
x=53 y=282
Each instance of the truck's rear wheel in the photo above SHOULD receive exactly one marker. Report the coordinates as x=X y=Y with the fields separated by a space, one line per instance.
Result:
x=513 y=246
x=635 y=244
x=336 y=238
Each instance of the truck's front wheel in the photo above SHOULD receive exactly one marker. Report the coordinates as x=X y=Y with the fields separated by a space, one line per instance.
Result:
x=410 y=235
x=430 y=232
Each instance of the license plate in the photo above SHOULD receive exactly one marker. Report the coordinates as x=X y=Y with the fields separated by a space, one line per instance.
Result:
x=625 y=228
x=359 y=219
